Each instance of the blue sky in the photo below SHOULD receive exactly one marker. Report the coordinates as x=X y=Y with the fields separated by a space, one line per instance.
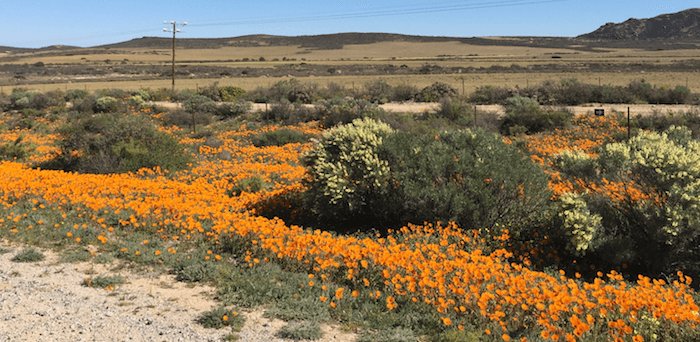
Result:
x=36 y=23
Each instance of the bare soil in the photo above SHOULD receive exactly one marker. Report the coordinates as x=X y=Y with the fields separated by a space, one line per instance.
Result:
x=46 y=301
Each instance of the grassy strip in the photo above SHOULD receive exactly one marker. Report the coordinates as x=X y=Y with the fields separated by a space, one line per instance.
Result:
x=287 y=295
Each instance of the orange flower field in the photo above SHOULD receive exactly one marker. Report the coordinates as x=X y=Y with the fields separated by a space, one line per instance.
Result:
x=439 y=265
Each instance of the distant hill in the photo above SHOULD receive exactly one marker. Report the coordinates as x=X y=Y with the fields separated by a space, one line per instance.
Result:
x=323 y=41
x=684 y=25
x=13 y=49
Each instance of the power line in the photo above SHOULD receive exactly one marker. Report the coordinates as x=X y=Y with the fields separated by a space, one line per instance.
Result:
x=382 y=13
x=385 y=11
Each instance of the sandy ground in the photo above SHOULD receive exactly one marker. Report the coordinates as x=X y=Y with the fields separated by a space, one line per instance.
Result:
x=587 y=109
x=45 y=301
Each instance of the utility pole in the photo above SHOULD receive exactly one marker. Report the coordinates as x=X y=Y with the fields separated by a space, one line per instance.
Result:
x=174 y=30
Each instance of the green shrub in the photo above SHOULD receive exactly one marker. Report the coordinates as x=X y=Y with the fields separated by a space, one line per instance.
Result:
x=659 y=122
x=343 y=111
x=346 y=175
x=231 y=93
x=435 y=92
x=199 y=104
x=291 y=90
x=279 y=137
x=526 y=112
x=183 y=118
x=145 y=94
x=28 y=255
x=106 y=104
x=378 y=91
x=470 y=176
x=14 y=150
x=180 y=95
x=27 y=99
x=576 y=164
x=74 y=95
x=288 y=113
x=404 y=92
x=334 y=90
x=301 y=331
x=453 y=109
x=491 y=95
x=211 y=92
x=111 y=143
x=85 y=104
x=136 y=101
x=221 y=317
x=229 y=110
x=116 y=93
x=574 y=92
x=193 y=270
x=651 y=235
x=250 y=185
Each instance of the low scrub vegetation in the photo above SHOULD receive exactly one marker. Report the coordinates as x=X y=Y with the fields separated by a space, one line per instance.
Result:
x=547 y=226
x=113 y=143
x=28 y=255
x=573 y=92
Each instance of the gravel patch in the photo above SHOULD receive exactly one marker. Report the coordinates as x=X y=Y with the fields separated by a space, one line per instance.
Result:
x=46 y=301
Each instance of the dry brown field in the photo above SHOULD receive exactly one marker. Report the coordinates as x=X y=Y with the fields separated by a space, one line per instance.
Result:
x=558 y=63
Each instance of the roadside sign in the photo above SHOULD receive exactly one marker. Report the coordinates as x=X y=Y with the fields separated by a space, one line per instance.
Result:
x=599 y=112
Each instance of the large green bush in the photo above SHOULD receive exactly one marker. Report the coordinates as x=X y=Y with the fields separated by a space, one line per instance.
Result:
x=435 y=92
x=342 y=111
x=200 y=104
x=289 y=113
x=468 y=176
x=378 y=91
x=293 y=91
x=491 y=95
x=454 y=109
x=112 y=143
x=347 y=178
x=526 y=113
x=363 y=173
x=279 y=137
x=107 y=104
x=655 y=232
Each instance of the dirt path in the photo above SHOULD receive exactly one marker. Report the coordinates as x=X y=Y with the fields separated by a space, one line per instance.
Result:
x=46 y=301
x=587 y=109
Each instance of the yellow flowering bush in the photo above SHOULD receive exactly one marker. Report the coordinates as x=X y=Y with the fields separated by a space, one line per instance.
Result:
x=346 y=173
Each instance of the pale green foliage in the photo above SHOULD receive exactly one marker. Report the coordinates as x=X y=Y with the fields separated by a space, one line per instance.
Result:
x=669 y=158
x=614 y=158
x=576 y=163
x=106 y=104
x=683 y=210
x=136 y=101
x=579 y=223
x=671 y=161
x=659 y=234
x=345 y=169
